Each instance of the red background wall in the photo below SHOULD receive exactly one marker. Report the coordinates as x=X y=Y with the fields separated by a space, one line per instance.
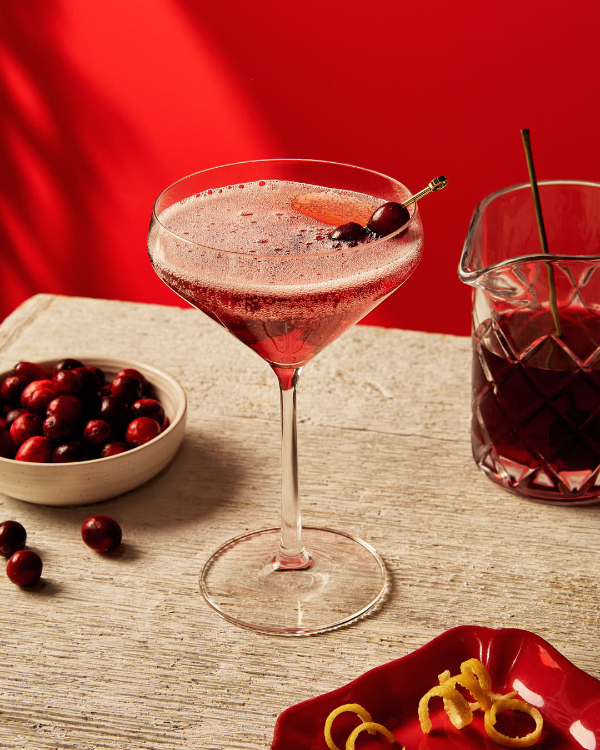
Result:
x=105 y=104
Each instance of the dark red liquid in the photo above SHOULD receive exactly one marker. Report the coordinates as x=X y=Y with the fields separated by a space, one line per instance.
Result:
x=536 y=403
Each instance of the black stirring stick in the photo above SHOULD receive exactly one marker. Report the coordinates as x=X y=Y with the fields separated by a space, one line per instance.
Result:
x=541 y=229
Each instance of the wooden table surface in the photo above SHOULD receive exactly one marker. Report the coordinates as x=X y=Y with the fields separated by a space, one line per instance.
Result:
x=120 y=651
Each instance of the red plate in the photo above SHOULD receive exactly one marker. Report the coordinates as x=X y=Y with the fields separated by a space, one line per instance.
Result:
x=568 y=698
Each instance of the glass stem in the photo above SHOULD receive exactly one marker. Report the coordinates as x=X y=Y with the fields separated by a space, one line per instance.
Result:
x=291 y=554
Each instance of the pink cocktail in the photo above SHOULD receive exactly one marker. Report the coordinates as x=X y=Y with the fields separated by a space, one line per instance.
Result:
x=249 y=245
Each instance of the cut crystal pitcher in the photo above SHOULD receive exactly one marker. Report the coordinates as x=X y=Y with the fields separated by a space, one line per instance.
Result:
x=536 y=340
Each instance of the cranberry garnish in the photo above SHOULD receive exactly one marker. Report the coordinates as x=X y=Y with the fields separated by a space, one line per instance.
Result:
x=13 y=414
x=31 y=371
x=126 y=387
x=12 y=537
x=57 y=429
x=96 y=433
x=113 y=448
x=141 y=430
x=101 y=533
x=148 y=407
x=66 y=364
x=24 y=568
x=350 y=232
x=25 y=427
x=67 y=452
x=67 y=382
x=68 y=408
x=35 y=449
x=7 y=447
x=31 y=388
x=388 y=218
x=114 y=411
x=12 y=388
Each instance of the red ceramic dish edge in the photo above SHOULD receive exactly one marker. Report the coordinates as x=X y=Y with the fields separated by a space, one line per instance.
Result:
x=568 y=698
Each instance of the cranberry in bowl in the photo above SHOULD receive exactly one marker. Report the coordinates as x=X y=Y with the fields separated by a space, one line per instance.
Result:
x=81 y=451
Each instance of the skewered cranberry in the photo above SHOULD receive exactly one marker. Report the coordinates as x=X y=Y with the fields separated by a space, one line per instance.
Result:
x=31 y=388
x=68 y=408
x=350 y=232
x=148 y=407
x=7 y=447
x=66 y=364
x=57 y=429
x=101 y=533
x=13 y=414
x=113 y=448
x=24 y=427
x=388 y=218
x=67 y=452
x=24 y=568
x=12 y=537
x=40 y=399
x=126 y=387
x=35 y=449
x=96 y=433
x=114 y=411
x=67 y=382
x=31 y=371
x=141 y=430
x=12 y=388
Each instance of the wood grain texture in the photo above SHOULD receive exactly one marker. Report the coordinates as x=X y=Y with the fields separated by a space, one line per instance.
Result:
x=119 y=651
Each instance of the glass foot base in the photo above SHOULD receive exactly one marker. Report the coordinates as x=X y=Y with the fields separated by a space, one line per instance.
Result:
x=345 y=579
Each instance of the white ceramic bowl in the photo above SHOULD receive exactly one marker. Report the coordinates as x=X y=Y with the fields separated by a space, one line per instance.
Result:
x=85 y=482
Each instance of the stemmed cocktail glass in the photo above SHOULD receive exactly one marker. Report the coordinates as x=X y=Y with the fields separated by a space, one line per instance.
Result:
x=249 y=245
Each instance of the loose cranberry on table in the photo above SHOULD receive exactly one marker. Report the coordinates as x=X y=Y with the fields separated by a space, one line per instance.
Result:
x=24 y=427
x=141 y=431
x=35 y=450
x=24 y=568
x=113 y=448
x=12 y=388
x=96 y=433
x=101 y=533
x=68 y=408
x=12 y=537
x=148 y=407
x=70 y=452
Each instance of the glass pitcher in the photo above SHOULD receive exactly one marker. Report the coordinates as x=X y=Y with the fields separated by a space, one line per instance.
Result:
x=536 y=340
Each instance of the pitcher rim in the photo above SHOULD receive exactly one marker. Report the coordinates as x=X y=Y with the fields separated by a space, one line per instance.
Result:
x=469 y=276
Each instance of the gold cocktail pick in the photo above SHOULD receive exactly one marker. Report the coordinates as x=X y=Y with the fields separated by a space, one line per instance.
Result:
x=436 y=184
